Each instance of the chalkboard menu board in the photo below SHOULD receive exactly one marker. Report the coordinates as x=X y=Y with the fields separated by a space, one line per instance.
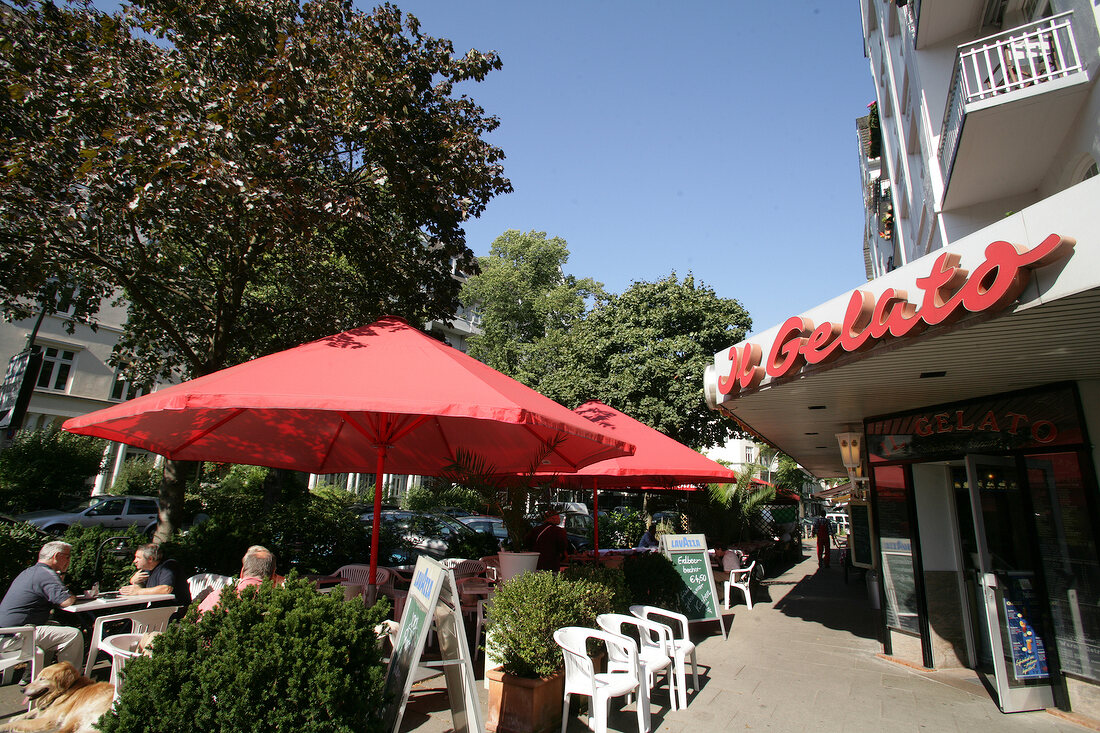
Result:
x=859 y=536
x=432 y=595
x=698 y=597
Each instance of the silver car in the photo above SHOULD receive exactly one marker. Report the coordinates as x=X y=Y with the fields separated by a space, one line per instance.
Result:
x=102 y=511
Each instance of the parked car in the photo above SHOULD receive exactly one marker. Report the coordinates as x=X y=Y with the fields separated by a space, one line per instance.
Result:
x=486 y=524
x=453 y=511
x=6 y=519
x=101 y=511
x=423 y=533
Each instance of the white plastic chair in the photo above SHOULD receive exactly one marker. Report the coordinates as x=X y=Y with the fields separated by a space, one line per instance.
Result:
x=121 y=647
x=204 y=584
x=492 y=567
x=682 y=645
x=357 y=574
x=654 y=651
x=23 y=652
x=582 y=679
x=141 y=621
x=740 y=579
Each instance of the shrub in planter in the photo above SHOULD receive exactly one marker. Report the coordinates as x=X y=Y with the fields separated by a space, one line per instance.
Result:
x=652 y=580
x=275 y=659
x=527 y=610
x=613 y=579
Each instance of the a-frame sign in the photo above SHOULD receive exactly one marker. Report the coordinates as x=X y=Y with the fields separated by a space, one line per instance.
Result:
x=698 y=596
x=433 y=597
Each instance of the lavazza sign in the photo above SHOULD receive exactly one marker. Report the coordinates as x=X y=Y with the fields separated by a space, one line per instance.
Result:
x=949 y=293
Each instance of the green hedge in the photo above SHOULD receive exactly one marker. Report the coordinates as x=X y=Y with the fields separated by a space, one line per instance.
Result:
x=47 y=469
x=652 y=580
x=19 y=546
x=277 y=659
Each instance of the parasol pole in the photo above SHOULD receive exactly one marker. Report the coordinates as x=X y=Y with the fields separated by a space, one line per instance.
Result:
x=377 y=524
x=596 y=516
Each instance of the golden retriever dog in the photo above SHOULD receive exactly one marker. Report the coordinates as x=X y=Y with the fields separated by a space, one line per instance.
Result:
x=64 y=701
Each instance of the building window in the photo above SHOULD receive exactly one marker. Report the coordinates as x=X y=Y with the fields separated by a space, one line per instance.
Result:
x=57 y=365
x=748 y=454
x=122 y=389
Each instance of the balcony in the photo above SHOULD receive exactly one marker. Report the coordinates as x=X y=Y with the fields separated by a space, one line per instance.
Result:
x=1013 y=98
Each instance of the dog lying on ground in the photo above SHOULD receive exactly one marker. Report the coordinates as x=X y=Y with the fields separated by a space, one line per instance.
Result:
x=64 y=701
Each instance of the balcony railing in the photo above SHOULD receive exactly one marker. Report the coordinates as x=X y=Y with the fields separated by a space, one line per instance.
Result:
x=1007 y=62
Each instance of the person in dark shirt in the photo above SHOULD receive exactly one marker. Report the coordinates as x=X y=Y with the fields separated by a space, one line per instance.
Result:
x=30 y=598
x=649 y=538
x=550 y=541
x=157 y=575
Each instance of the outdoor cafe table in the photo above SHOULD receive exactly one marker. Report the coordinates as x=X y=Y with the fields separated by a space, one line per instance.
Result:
x=110 y=601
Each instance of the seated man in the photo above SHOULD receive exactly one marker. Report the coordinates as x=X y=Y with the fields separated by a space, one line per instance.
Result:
x=156 y=575
x=257 y=566
x=30 y=598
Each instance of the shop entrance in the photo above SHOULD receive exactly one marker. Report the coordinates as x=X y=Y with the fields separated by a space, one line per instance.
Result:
x=1001 y=568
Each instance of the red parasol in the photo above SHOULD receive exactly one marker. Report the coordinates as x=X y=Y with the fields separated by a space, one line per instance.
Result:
x=385 y=396
x=657 y=461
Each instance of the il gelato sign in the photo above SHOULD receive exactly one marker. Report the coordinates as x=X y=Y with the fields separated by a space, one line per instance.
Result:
x=947 y=293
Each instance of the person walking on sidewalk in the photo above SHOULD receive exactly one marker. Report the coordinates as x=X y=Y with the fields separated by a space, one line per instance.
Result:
x=823 y=532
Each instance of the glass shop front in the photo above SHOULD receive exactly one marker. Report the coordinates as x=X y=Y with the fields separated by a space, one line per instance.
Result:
x=986 y=515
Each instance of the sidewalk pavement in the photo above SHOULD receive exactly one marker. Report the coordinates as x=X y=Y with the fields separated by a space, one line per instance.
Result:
x=805 y=658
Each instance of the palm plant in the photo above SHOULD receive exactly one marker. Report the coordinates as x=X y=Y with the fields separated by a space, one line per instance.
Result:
x=743 y=499
x=505 y=495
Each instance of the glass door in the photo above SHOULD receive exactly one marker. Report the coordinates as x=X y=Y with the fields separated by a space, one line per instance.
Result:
x=1012 y=654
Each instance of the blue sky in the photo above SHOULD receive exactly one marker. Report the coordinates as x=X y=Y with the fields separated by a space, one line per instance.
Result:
x=710 y=137
x=716 y=138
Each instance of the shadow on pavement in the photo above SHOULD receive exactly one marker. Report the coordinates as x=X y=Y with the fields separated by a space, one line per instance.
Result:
x=823 y=597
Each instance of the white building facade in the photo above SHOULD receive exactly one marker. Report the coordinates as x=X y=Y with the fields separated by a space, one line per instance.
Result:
x=967 y=370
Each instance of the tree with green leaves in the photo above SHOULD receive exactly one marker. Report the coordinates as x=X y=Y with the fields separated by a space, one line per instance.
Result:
x=524 y=294
x=47 y=469
x=644 y=352
x=244 y=176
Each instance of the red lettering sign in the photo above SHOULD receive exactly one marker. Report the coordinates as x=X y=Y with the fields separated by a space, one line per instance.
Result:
x=949 y=293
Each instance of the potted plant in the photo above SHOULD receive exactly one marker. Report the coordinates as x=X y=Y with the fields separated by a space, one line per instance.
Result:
x=525 y=692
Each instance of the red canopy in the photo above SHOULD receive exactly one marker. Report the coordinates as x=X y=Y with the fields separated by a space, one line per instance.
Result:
x=657 y=461
x=327 y=407
x=385 y=396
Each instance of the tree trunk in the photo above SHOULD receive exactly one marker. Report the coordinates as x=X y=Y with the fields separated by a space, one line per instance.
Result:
x=172 y=486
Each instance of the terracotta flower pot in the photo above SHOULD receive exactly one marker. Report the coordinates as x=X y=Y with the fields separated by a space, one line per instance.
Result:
x=523 y=705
